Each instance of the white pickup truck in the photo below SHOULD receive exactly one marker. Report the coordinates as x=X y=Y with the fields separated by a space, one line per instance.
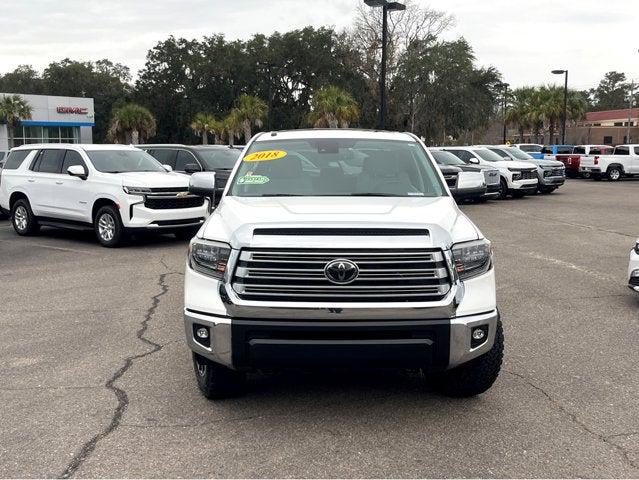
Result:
x=363 y=259
x=624 y=162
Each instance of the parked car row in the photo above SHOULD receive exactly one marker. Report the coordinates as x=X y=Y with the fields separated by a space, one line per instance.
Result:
x=119 y=190
x=507 y=170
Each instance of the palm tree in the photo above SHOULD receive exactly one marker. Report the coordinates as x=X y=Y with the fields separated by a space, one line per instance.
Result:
x=519 y=112
x=333 y=107
x=203 y=124
x=131 y=123
x=250 y=111
x=14 y=109
x=232 y=126
x=551 y=107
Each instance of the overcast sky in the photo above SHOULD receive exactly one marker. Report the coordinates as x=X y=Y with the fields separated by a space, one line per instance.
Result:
x=523 y=39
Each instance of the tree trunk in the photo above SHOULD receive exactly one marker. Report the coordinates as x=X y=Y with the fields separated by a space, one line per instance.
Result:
x=10 y=135
x=521 y=134
x=551 y=133
x=205 y=140
x=135 y=137
x=247 y=133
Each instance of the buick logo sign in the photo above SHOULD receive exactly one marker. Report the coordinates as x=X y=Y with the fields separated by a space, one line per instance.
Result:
x=341 y=271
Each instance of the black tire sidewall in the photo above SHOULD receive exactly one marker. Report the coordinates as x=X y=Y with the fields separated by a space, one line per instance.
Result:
x=503 y=189
x=119 y=228
x=612 y=169
x=32 y=225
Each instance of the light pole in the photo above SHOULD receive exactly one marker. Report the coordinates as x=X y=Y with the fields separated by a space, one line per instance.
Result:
x=505 y=87
x=632 y=89
x=563 y=127
x=386 y=7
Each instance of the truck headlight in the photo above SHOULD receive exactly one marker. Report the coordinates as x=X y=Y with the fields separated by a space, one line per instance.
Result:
x=136 y=190
x=209 y=258
x=472 y=258
x=637 y=247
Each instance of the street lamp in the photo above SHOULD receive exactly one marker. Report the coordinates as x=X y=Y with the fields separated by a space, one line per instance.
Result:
x=386 y=7
x=563 y=127
x=505 y=86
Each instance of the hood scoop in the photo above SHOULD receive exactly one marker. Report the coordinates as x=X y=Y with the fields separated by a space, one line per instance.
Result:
x=343 y=232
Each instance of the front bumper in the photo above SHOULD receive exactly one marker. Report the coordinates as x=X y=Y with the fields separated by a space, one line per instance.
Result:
x=468 y=193
x=552 y=181
x=137 y=216
x=247 y=344
x=523 y=185
x=633 y=271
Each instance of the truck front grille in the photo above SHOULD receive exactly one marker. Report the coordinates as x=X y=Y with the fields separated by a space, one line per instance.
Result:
x=298 y=275
x=451 y=179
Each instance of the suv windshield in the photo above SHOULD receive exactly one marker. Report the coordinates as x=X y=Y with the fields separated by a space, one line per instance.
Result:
x=336 y=167
x=119 y=161
x=446 y=158
x=219 y=157
x=489 y=156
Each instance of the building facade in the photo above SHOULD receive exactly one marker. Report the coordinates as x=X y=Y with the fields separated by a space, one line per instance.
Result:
x=53 y=120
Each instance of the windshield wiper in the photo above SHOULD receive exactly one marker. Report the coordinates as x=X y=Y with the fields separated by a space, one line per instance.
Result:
x=370 y=194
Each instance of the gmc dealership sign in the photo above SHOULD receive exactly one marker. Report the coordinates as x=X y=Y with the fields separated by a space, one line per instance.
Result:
x=74 y=110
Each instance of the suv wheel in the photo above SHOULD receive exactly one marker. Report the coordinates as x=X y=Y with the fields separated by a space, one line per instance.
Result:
x=24 y=222
x=108 y=226
x=614 y=174
x=503 y=189
x=216 y=381
x=475 y=376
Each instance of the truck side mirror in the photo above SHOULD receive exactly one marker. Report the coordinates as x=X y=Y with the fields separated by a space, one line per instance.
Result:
x=77 y=171
x=203 y=184
x=474 y=161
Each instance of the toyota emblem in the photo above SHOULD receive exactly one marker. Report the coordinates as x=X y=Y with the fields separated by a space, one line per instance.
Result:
x=341 y=271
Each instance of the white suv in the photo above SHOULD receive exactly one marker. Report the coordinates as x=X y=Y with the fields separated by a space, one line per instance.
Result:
x=517 y=178
x=112 y=189
x=334 y=248
x=633 y=268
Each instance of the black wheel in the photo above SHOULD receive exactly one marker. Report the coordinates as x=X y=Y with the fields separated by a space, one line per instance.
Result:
x=186 y=233
x=586 y=175
x=24 y=222
x=108 y=226
x=216 y=381
x=614 y=174
x=476 y=376
x=503 y=189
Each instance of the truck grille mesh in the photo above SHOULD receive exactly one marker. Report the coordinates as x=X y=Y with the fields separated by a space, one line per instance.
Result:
x=297 y=275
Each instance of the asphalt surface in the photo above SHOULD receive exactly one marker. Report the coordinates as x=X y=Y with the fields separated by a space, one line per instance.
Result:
x=96 y=380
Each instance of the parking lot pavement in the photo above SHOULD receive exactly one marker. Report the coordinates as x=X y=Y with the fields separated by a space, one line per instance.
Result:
x=97 y=380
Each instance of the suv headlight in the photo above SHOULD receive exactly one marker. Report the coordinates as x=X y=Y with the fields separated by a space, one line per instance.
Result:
x=637 y=247
x=136 y=190
x=209 y=258
x=472 y=258
x=515 y=173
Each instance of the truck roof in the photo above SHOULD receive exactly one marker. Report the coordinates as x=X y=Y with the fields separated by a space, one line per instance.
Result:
x=334 y=133
x=82 y=146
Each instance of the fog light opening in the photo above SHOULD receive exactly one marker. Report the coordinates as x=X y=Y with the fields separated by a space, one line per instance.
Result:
x=201 y=335
x=478 y=335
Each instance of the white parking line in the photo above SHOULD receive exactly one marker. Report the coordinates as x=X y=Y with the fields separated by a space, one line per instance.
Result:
x=573 y=266
x=42 y=245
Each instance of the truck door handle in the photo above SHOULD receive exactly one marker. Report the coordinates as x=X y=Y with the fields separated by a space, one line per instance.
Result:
x=31 y=180
x=59 y=183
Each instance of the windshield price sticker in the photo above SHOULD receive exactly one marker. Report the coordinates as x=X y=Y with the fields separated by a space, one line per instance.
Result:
x=265 y=156
x=253 y=180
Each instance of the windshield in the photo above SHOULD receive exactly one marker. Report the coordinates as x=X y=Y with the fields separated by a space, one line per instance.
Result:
x=336 y=167
x=489 y=156
x=518 y=154
x=446 y=158
x=219 y=157
x=119 y=161
x=531 y=148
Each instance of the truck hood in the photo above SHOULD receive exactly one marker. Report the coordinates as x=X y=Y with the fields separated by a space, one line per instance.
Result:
x=236 y=218
x=545 y=163
x=510 y=164
x=154 y=179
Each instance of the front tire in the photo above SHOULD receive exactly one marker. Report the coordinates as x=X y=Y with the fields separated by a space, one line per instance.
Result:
x=503 y=189
x=22 y=218
x=475 y=376
x=216 y=381
x=108 y=227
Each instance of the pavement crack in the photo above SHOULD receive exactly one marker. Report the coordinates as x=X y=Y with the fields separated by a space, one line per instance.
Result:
x=573 y=417
x=121 y=395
